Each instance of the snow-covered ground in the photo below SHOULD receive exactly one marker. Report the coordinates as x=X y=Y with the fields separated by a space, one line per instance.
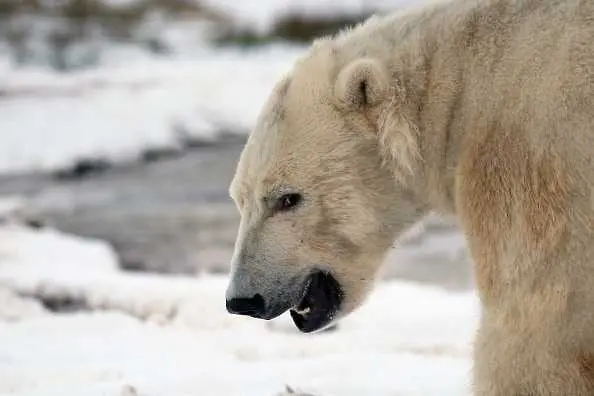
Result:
x=152 y=335
x=49 y=120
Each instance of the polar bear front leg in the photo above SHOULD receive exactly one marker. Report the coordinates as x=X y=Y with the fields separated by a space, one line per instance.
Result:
x=514 y=361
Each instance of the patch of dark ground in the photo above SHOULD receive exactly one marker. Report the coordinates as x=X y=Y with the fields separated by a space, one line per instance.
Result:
x=172 y=214
x=62 y=304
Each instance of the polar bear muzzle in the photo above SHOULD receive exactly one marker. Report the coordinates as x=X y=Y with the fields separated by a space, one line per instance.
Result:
x=321 y=300
x=313 y=303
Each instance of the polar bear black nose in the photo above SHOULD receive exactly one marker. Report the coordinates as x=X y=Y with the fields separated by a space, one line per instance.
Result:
x=253 y=306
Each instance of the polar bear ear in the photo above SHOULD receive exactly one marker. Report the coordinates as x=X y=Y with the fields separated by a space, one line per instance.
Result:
x=363 y=82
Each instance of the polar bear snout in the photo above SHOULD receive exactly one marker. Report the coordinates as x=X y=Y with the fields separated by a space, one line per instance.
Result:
x=313 y=300
x=258 y=305
x=261 y=295
x=253 y=306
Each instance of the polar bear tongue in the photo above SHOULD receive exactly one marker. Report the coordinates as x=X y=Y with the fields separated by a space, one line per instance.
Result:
x=321 y=300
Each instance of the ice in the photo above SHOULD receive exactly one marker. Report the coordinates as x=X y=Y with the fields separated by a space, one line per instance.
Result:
x=170 y=336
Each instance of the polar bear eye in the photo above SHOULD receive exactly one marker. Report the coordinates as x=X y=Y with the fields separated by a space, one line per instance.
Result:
x=288 y=201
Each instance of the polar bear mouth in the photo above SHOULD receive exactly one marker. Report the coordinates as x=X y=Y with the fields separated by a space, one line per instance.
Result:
x=320 y=301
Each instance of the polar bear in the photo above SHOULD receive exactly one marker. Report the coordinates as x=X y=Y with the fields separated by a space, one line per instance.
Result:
x=482 y=109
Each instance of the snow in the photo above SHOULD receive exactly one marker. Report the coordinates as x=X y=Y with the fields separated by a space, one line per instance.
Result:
x=14 y=307
x=49 y=120
x=152 y=335
x=10 y=207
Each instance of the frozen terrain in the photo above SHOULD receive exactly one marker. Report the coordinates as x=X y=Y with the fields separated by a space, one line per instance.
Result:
x=139 y=334
x=50 y=120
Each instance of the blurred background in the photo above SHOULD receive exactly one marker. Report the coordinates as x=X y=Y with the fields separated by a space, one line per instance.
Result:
x=123 y=120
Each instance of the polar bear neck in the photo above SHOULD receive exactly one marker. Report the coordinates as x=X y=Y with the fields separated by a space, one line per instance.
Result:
x=445 y=55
